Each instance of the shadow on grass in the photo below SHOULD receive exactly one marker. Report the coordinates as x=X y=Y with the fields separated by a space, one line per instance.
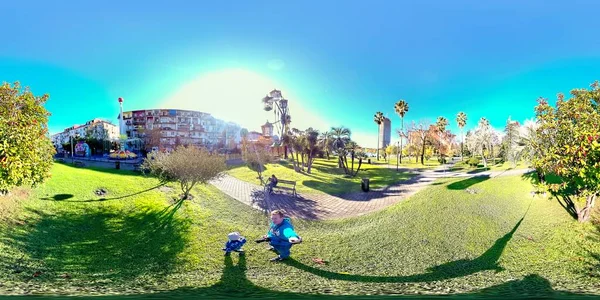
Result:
x=465 y=183
x=58 y=197
x=101 y=245
x=234 y=282
x=63 y=197
x=478 y=170
x=459 y=268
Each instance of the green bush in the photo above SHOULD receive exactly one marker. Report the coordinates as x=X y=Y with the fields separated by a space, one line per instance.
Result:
x=25 y=149
x=473 y=162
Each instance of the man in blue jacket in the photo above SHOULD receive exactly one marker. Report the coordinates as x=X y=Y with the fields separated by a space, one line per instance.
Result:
x=281 y=235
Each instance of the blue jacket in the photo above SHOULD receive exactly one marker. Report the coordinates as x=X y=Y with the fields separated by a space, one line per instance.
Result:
x=280 y=234
x=234 y=245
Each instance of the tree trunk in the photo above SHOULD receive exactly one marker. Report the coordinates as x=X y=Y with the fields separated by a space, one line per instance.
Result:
x=327 y=152
x=303 y=162
x=358 y=168
x=541 y=176
x=352 y=156
x=310 y=162
x=346 y=164
x=400 y=151
x=423 y=154
x=285 y=151
x=484 y=160
x=584 y=214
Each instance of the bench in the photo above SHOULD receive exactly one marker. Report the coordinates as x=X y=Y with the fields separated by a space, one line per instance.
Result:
x=291 y=186
x=78 y=163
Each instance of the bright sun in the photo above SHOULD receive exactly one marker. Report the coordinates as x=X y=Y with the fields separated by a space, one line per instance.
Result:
x=232 y=94
x=235 y=95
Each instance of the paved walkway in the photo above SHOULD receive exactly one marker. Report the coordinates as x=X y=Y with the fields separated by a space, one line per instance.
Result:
x=320 y=206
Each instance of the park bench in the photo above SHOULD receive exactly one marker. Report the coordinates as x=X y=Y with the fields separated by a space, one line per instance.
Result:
x=282 y=184
x=78 y=163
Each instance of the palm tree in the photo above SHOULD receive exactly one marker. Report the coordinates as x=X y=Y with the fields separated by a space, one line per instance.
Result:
x=340 y=136
x=351 y=147
x=440 y=125
x=401 y=108
x=461 y=120
x=378 y=119
x=325 y=142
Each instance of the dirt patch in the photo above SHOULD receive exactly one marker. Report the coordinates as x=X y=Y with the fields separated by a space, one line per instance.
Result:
x=165 y=189
x=10 y=202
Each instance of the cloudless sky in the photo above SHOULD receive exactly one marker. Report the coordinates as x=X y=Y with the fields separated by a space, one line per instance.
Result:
x=338 y=62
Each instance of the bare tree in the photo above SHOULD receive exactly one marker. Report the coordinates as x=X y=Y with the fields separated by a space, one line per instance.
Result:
x=186 y=165
x=257 y=155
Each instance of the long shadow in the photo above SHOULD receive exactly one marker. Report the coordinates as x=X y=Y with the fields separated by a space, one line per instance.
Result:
x=465 y=183
x=234 y=284
x=63 y=197
x=298 y=206
x=459 y=268
x=98 y=244
x=478 y=170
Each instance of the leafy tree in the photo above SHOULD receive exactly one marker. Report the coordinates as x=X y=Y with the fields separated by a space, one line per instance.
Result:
x=378 y=119
x=391 y=149
x=440 y=137
x=326 y=142
x=428 y=152
x=510 y=142
x=186 y=165
x=352 y=149
x=480 y=139
x=461 y=121
x=310 y=142
x=401 y=108
x=419 y=137
x=25 y=149
x=573 y=148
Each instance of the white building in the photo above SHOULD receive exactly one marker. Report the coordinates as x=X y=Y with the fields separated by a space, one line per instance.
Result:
x=96 y=128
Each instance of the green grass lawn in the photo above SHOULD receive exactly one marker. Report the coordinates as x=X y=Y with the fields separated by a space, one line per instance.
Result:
x=498 y=166
x=135 y=240
x=409 y=162
x=325 y=177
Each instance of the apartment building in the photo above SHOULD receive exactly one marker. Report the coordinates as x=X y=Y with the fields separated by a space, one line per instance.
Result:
x=96 y=128
x=166 y=128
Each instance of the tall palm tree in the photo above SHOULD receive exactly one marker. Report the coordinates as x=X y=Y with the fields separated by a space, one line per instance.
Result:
x=340 y=137
x=401 y=108
x=378 y=119
x=441 y=125
x=461 y=120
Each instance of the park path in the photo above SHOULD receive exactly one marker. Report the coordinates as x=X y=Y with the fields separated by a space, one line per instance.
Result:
x=321 y=206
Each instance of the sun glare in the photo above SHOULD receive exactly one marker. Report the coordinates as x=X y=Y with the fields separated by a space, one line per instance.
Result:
x=232 y=94
x=235 y=95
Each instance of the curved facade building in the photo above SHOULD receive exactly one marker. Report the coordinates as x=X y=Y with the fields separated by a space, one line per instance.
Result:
x=165 y=129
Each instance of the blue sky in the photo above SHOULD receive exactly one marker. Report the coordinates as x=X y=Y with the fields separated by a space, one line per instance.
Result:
x=337 y=63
